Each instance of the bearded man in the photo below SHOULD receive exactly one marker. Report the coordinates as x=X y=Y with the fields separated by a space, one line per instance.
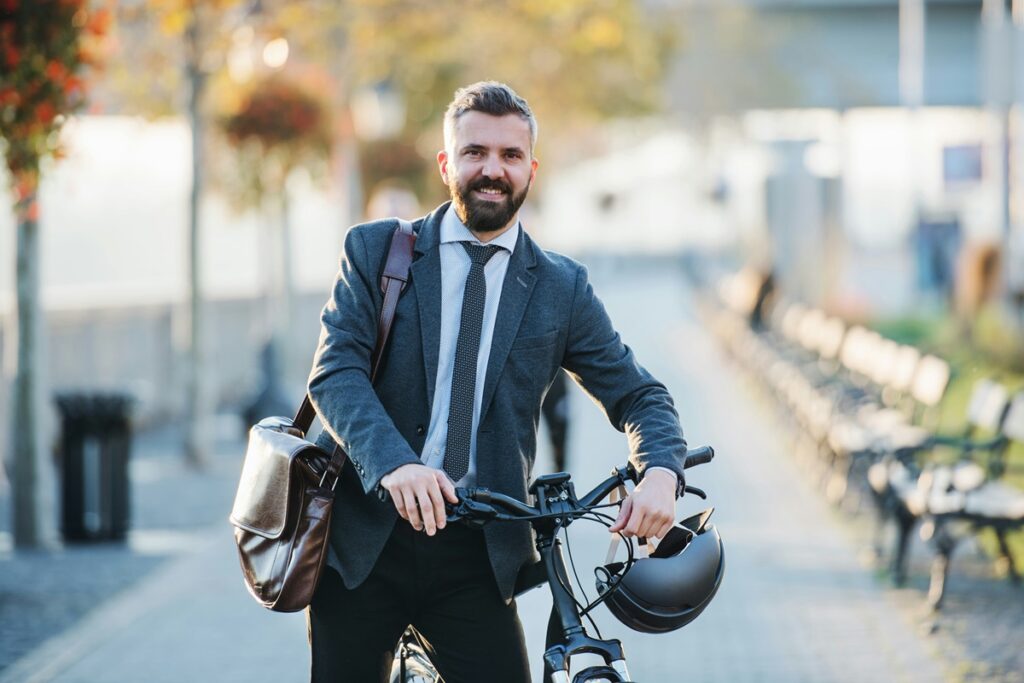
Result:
x=486 y=323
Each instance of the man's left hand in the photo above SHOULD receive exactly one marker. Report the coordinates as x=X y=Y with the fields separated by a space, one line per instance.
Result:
x=650 y=510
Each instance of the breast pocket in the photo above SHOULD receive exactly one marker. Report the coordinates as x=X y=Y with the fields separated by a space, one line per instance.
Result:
x=532 y=361
x=535 y=342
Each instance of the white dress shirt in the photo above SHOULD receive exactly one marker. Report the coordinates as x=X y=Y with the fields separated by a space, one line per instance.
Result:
x=455 y=265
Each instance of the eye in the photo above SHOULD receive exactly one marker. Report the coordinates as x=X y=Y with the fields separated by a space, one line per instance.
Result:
x=513 y=155
x=472 y=153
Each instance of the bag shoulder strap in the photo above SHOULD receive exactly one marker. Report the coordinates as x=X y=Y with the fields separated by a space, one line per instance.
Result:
x=393 y=279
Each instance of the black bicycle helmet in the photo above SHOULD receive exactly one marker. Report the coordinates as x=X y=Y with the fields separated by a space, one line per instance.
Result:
x=669 y=589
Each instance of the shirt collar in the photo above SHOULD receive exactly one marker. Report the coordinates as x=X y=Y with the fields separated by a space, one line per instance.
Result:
x=454 y=230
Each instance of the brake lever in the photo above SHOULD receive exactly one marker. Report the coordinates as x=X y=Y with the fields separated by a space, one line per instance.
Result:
x=471 y=513
x=695 y=491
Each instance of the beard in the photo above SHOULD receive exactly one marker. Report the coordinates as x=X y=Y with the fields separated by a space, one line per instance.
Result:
x=482 y=216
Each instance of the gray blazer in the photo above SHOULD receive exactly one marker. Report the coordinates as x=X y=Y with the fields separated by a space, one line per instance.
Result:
x=548 y=317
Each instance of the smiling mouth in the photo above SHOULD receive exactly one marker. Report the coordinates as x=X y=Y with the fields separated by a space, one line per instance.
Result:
x=490 y=193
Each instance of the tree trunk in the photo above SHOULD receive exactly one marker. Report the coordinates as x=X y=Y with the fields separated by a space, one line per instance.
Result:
x=196 y=413
x=25 y=417
x=287 y=293
x=277 y=277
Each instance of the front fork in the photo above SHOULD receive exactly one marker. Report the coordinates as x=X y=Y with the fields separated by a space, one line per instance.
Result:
x=566 y=635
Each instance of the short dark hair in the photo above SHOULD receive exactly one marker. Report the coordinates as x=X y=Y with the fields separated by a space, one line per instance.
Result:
x=488 y=97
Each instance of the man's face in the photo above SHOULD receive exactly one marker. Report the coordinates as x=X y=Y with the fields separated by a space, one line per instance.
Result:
x=489 y=170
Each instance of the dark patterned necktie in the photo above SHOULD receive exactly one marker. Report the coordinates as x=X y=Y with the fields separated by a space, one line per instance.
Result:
x=467 y=352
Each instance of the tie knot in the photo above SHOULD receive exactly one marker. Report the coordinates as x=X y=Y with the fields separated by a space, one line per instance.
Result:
x=480 y=254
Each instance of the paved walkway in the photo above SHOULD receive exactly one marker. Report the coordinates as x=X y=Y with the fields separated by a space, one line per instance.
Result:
x=796 y=605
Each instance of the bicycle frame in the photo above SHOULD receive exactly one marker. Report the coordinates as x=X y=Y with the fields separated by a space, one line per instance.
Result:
x=566 y=635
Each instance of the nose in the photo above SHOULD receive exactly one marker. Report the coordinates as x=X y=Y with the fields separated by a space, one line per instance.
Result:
x=492 y=167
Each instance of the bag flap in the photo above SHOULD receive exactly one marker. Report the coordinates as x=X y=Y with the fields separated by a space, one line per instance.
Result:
x=261 y=503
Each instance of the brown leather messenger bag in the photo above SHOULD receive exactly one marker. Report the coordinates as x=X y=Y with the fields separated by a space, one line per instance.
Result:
x=282 y=510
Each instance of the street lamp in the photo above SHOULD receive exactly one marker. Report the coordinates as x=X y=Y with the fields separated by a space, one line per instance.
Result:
x=378 y=112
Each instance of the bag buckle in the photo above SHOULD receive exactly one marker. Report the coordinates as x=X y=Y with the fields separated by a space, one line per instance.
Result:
x=323 y=479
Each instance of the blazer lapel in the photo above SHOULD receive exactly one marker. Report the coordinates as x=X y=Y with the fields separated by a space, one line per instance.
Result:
x=515 y=293
x=426 y=282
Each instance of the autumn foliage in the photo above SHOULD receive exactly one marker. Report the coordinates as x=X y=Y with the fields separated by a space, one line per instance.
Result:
x=45 y=45
x=281 y=122
x=278 y=112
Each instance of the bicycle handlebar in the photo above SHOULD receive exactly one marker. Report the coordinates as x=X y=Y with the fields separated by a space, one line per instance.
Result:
x=698 y=456
x=479 y=504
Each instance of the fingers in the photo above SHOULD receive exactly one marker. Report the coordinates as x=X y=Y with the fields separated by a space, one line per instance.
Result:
x=651 y=523
x=447 y=487
x=412 y=508
x=639 y=520
x=418 y=494
x=399 y=501
x=654 y=526
x=435 y=518
x=623 y=518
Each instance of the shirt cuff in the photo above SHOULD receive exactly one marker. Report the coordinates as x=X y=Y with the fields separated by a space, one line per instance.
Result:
x=664 y=469
x=672 y=472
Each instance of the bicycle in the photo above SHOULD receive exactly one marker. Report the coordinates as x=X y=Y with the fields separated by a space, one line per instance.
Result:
x=556 y=508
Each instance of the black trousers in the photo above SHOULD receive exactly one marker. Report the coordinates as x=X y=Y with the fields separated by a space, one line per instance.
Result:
x=441 y=585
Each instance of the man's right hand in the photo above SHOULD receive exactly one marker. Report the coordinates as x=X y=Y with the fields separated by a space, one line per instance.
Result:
x=418 y=493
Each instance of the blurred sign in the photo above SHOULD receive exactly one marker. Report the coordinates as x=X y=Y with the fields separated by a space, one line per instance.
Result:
x=936 y=245
x=961 y=165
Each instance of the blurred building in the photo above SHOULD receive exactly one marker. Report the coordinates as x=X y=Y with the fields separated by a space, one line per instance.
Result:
x=857 y=151
x=834 y=54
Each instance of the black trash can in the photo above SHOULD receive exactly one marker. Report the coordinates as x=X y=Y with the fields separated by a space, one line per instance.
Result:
x=95 y=443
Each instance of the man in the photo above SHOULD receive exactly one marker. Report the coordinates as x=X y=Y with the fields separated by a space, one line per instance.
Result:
x=482 y=329
x=555 y=410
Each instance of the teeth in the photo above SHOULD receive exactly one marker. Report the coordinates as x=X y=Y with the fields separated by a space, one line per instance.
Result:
x=491 y=191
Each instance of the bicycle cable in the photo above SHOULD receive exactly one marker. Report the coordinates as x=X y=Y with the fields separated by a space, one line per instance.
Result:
x=630 y=561
x=572 y=563
x=607 y=521
x=582 y=609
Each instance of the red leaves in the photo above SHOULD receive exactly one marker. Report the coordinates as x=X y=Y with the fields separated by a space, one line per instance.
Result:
x=55 y=71
x=73 y=86
x=44 y=44
x=46 y=113
x=9 y=97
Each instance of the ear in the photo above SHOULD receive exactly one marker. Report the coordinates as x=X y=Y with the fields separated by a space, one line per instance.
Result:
x=442 y=165
x=533 y=169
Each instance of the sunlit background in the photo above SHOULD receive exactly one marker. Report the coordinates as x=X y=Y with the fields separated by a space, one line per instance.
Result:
x=862 y=157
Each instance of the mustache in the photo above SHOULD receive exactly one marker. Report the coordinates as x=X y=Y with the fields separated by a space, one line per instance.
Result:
x=489 y=184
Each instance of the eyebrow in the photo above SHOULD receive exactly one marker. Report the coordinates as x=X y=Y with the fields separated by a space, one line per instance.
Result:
x=473 y=147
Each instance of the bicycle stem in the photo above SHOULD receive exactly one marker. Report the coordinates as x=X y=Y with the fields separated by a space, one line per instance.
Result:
x=563 y=600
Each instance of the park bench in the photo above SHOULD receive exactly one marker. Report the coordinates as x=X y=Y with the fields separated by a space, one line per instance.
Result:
x=870 y=405
x=954 y=501
x=853 y=392
x=904 y=413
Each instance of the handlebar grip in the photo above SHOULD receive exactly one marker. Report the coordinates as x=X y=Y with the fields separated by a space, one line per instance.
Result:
x=698 y=456
x=480 y=495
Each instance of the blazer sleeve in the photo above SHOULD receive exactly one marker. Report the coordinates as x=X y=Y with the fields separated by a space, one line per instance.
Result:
x=339 y=383
x=633 y=401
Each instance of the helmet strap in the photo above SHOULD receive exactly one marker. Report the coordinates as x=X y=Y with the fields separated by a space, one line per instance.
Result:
x=645 y=547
